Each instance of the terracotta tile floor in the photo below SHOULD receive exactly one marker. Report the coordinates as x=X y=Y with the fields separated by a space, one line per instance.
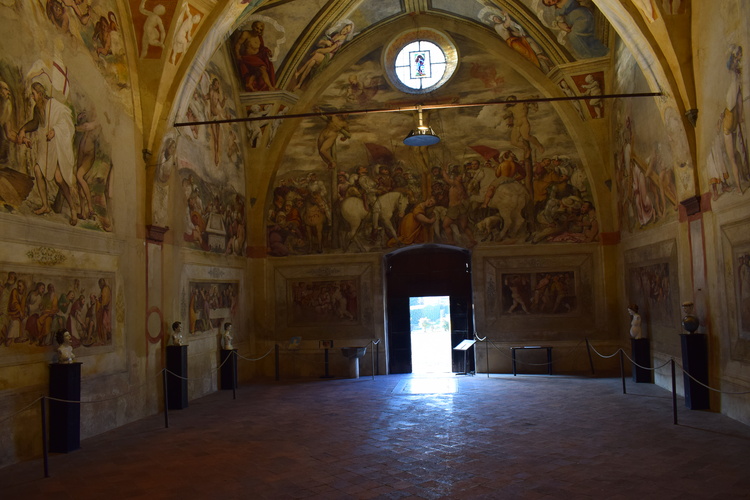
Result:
x=529 y=437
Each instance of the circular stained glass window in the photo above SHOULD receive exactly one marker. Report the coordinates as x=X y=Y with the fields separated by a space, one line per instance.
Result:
x=420 y=60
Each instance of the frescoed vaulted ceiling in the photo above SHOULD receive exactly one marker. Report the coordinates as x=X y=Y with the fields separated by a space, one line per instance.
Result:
x=279 y=58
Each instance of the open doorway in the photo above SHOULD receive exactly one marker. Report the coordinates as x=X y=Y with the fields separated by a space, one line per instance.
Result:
x=430 y=321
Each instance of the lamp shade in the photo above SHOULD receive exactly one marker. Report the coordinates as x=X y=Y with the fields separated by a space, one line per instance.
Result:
x=423 y=136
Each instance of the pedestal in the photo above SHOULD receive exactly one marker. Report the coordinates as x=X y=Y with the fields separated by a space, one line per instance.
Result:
x=177 y=387
x=695 y=362
x=228 y=369
x=641 y=352
x=64 y=418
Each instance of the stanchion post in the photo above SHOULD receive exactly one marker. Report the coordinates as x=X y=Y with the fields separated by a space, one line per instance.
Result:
x=372 y=357
x=276 y=356
x=234 y=374
x=591 y=360
x=45 y=452
x=674 y=394
x=622 y=372
x=166 y=403
x=487 y=354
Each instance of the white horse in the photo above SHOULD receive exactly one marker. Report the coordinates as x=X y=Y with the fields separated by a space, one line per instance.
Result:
x=353 y=211
x=509 y=200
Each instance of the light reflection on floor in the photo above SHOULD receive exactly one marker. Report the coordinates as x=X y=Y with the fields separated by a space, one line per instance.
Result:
x=446 y=384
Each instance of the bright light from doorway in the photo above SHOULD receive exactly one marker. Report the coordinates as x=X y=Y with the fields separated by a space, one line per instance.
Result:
x=430 y=334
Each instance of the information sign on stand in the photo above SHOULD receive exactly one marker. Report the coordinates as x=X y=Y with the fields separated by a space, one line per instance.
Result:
x=464 y=346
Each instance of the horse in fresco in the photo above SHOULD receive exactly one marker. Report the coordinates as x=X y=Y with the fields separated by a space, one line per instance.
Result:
x=509 y=200
x=353 y=211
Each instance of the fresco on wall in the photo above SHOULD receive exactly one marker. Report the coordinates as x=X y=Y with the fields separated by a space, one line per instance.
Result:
x=644 y=165
x=650 y=288
x=500 y=175
x=333 y=302
x=211 y=305
x=538 y=293
x=742 y=271
x=255 y=48
x=591 y=84
x=325 y=50
x=575 y=24
x=55 y=154
x=187 y=24
x=151 y=20
x=34 y=306
x=728 y=165
x=724 y=145
x=515 y=36
x=208 y=161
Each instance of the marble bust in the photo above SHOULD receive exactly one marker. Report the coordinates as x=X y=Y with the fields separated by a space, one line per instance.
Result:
x=176 y=337
x=226 y=337
x=636 y=329
x=65 y=350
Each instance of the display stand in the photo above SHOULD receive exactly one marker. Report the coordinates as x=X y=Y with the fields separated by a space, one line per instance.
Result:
x=228 y=369
x=695 y=362
x=464 y=346
x=641 y=352
x=64 y=418
x=177 y=387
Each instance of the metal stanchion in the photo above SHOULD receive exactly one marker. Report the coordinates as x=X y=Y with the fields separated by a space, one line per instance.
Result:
x=487 y=354
x=234 y=374
x=591 y=360
x=166 y=403
x=372 y=357
x=622 y=371
x=276 y=355
x=674 y=394
x=45 y=452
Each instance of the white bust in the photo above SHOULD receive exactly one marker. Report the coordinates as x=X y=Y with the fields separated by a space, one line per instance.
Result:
x=176 y=337
x=636 y=330
x=65 y=351
x=226 y=337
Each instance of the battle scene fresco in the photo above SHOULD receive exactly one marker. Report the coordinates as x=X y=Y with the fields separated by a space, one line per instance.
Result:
x=539 y=293
x=314 y=302
x=56 y=123
x=211 y=304
x=501 y=174
x=35 y=306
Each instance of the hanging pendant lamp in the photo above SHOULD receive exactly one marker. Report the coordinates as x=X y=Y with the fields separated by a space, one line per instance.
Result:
x=422 y=135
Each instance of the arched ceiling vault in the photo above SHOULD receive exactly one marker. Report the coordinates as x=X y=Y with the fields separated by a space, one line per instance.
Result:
x=225 y=16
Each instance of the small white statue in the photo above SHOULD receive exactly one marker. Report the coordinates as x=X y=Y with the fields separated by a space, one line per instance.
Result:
x=226 y=337
x=636 y=331
x=65 y=351
x=176 y=337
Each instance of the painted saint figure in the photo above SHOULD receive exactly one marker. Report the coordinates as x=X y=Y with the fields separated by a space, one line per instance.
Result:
x=254 y=59
x=52 y=146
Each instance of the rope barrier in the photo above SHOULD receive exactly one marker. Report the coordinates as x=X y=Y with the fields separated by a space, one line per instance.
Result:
x=22 y=409
x=719 y=391
x=255 y=359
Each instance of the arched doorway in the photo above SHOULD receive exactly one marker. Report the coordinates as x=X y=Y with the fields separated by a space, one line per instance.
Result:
x=427 y=270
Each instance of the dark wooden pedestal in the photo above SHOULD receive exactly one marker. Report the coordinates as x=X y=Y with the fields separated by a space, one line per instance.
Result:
x=695 y=362
x=641 y=352
x=177 y=387
x=228 y=369
x=64 y=418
